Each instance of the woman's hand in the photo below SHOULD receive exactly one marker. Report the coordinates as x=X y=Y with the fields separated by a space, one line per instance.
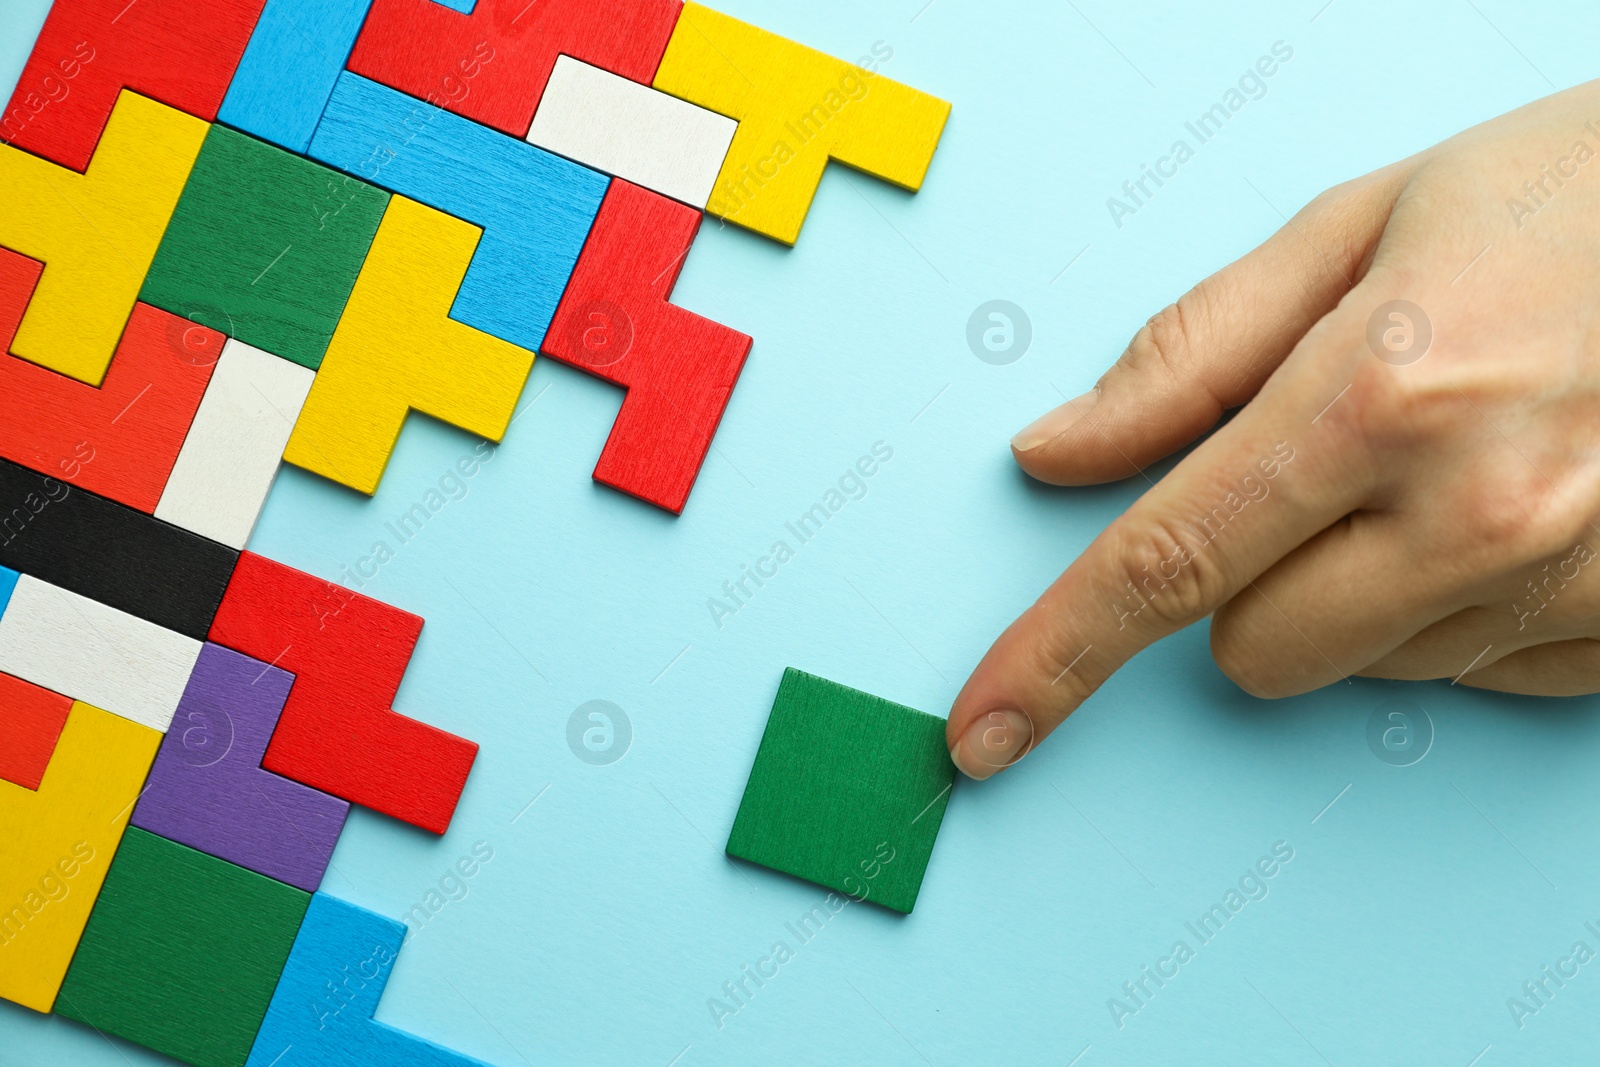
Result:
x=1412 y=488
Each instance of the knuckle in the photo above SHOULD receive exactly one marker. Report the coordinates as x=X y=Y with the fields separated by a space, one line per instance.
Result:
x=1395 y=409
x=1165 y=344
x=1246 y=650
x=1164 y=579
x=1521 y=520
x=1074 y=674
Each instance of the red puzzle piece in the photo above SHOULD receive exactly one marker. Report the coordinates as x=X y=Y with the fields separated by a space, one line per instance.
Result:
x=491 y=65
x=121 y=439
x=30 y=722
x=678 y=367
x=338 y=732
x=180 y=52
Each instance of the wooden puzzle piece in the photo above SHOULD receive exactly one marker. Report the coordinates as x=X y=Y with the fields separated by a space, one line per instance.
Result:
x=848 y=791
x=207 y=788
x=19 y=276
x=66 y=642
x=322 y=1010
x=397 y=349
x=182 y=952
x=120 y=440
x=59 y=842
x=679 y=368
x=264 y=246
x=230 y=456
x=535 y=208
x=111 y=553
x=96 y=232
x=178 y=52
x=797 y=108
x=631 y=131
x=31 y=719
x=294 y=57
x=338 y=732
x=491 y=65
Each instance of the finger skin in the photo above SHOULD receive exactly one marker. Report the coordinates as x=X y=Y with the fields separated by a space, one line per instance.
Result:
x=1186 y=547
x=1212 y=349
x=1164 y=565
x=1559 y=669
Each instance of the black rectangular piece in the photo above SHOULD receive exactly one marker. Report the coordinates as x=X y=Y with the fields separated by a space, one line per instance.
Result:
x=111 y=553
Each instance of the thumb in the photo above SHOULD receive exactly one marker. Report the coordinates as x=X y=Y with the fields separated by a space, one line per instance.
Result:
x=1215 y=347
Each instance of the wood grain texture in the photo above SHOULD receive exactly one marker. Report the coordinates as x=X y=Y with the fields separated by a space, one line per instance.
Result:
x=179 y=52
x=491 y=65
x=678 y=367
x=31 y=719
x=59 y=842
x=209 y=791
x=397 y=350
x=847 y=791
x=321 y=1013
x=230 y=456
x=109 y=552
x=338 y=732
x=631 y=131
x=288 y=70
x=535 y=208
x=182 y=952
x=96 y=232
x=121 y=440
x=797 y=108
x=264 y=246
x=71 y=644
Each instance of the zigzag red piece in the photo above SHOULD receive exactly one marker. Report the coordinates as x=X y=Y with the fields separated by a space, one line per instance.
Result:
x=121 y=439
x=491 y=65
x=338 y=732
x=180 y=52
x=679 y=368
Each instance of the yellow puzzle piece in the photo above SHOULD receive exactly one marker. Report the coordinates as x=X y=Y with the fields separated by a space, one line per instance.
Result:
x=58 y=844
x=796 y=108
x=396 y=348
x=96 y=232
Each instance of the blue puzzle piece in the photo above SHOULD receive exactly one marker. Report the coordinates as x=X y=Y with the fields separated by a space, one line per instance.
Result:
x=290 y=67
x=8 y=582
x=321 y=1012
x=535 y=207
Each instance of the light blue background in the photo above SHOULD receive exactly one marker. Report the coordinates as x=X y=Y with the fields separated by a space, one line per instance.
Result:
x=1414 y=906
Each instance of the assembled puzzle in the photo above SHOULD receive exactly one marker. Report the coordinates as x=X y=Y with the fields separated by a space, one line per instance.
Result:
x=243 y=231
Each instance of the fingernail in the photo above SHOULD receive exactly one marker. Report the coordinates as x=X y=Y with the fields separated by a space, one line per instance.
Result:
x=1054 y=423
x=993 y=743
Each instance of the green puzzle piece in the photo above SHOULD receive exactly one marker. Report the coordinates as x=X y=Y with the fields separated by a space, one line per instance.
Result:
x=182 y=951
x=842 y=780
x=264 y=246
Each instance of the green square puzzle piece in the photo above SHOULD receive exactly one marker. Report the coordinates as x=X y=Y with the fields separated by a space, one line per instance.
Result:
x=847 y=791
x=264 y=246
x=182 y=951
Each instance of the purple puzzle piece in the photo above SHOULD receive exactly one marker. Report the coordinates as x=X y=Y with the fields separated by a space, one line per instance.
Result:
x=208 y=790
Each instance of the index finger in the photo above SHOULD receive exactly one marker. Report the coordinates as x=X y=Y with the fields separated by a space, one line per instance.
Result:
x=1256 y=490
